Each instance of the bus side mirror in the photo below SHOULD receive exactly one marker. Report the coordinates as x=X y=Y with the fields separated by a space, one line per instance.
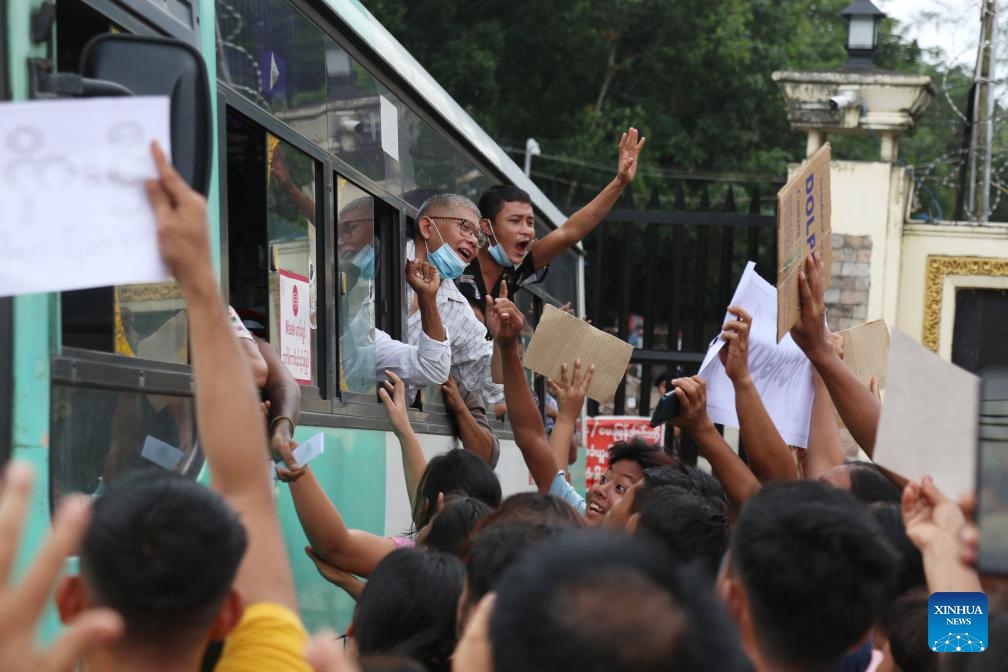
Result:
x=154 y=66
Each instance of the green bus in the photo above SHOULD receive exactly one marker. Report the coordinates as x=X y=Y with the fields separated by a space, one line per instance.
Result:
x=320 y=118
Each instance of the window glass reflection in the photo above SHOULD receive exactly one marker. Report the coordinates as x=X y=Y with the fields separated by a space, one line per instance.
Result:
x=98 y=436
x=290 y=224
x=357 y=247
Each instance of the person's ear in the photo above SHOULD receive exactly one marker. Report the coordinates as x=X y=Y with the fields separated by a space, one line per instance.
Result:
x=632 y=523
x=70 y=598
x=485 y=225
x=228 y=616
x=424 y=225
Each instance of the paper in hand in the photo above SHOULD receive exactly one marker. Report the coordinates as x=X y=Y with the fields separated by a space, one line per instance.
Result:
x=307 y=451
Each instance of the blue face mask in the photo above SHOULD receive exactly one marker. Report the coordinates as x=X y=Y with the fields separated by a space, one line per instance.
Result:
x=364 y=260
x=497 y=252
x=446 y=260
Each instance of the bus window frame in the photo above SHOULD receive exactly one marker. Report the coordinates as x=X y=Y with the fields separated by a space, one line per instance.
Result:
x=146 y=20
x=313 y=397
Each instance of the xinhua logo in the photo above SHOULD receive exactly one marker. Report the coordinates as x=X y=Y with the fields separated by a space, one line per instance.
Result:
x=957 y=622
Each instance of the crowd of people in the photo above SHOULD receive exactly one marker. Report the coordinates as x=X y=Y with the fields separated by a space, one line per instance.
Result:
x=794 y=560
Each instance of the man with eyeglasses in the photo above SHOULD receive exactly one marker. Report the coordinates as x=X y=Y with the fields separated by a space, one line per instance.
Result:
x=512 y=254
x=447 y=236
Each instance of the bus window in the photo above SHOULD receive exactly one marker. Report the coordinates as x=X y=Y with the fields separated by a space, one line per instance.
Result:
x=272 y=209
x=357 y=248
x=98 y=436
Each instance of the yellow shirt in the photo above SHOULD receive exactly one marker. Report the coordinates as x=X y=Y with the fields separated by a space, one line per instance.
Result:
x=269 y=638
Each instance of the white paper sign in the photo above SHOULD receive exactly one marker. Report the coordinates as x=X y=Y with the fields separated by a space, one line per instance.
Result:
x=307 y=450
x=781 y=372
x=389 y=116
x=73 y=208
x=928 y=425
x=295 y=326
x=160 y=453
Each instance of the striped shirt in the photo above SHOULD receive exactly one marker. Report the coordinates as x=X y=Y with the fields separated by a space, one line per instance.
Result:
x=471 y=351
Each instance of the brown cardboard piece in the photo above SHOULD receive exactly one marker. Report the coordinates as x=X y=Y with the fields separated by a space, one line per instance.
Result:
x=803 y=226
x=866 y=351
x=561 y=338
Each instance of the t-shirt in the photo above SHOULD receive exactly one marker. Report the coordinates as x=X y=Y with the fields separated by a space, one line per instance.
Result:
x=565 y=491
x=269 y=638
x=471 y=284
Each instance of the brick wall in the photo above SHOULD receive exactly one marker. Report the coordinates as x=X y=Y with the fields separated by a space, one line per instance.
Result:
x=847 y=296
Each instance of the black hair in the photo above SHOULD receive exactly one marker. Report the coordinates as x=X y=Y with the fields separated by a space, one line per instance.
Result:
x=869 y=484
x=691 y=479
x=592 y=601
x=408 y=607
x=665 y=376
x=905 y=622
x=493 y=199
x=646 y=455
x=162 y=551
x=451 y=527
x=911 y=565
x=492 y=550
x=455 y=472
x=689 y=526
x=807 y=615
x=534 y=507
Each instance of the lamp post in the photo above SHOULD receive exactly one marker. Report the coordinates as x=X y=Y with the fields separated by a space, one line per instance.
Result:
x=531 y=149
x=863 y=20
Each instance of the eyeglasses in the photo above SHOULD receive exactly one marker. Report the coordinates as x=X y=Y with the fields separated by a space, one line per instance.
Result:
x=466 y=228
x=346 y=228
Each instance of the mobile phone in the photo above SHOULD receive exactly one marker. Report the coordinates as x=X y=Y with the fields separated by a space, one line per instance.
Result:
x=992 y=472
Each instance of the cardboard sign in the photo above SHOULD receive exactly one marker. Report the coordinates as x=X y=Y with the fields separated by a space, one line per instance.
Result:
x=295 y=326
x=74 y=208
x=866 y=351
x=780 y=371
x=561 y=338
x=803 y=226
x=929 y=418
x=604 y=430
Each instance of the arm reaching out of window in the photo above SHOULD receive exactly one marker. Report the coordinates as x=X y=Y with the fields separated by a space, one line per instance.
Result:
x=570 y=395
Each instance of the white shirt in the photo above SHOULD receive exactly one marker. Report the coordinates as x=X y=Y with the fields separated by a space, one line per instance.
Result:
x=427 y=363
x=470 y=349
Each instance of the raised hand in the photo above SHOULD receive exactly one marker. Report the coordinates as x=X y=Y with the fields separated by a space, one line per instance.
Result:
x=492 y=320
x=452 y=396
x=629 y=150
x=182 y=234
x=509 y=319
x=422 y=277
x=21 y=603
x=929 y=515
x=810 y=332
x=570 y=391
x=692 y=395
x=735 y=354
x=393 y=394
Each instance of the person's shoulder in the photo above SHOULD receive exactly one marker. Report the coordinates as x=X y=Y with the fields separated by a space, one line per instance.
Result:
x=269 y=638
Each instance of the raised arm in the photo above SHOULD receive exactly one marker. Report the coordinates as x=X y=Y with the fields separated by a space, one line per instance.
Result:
x=584 y=221
x=227 y=406
x=769 y=456
x=738 y=481
x=471 y=422
x=858 y=407
x=934 y=524
x=570 y=395
x=526 y=423
x=393 y=395
x=824 y=448
x=284 y=395
x=355 y=551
